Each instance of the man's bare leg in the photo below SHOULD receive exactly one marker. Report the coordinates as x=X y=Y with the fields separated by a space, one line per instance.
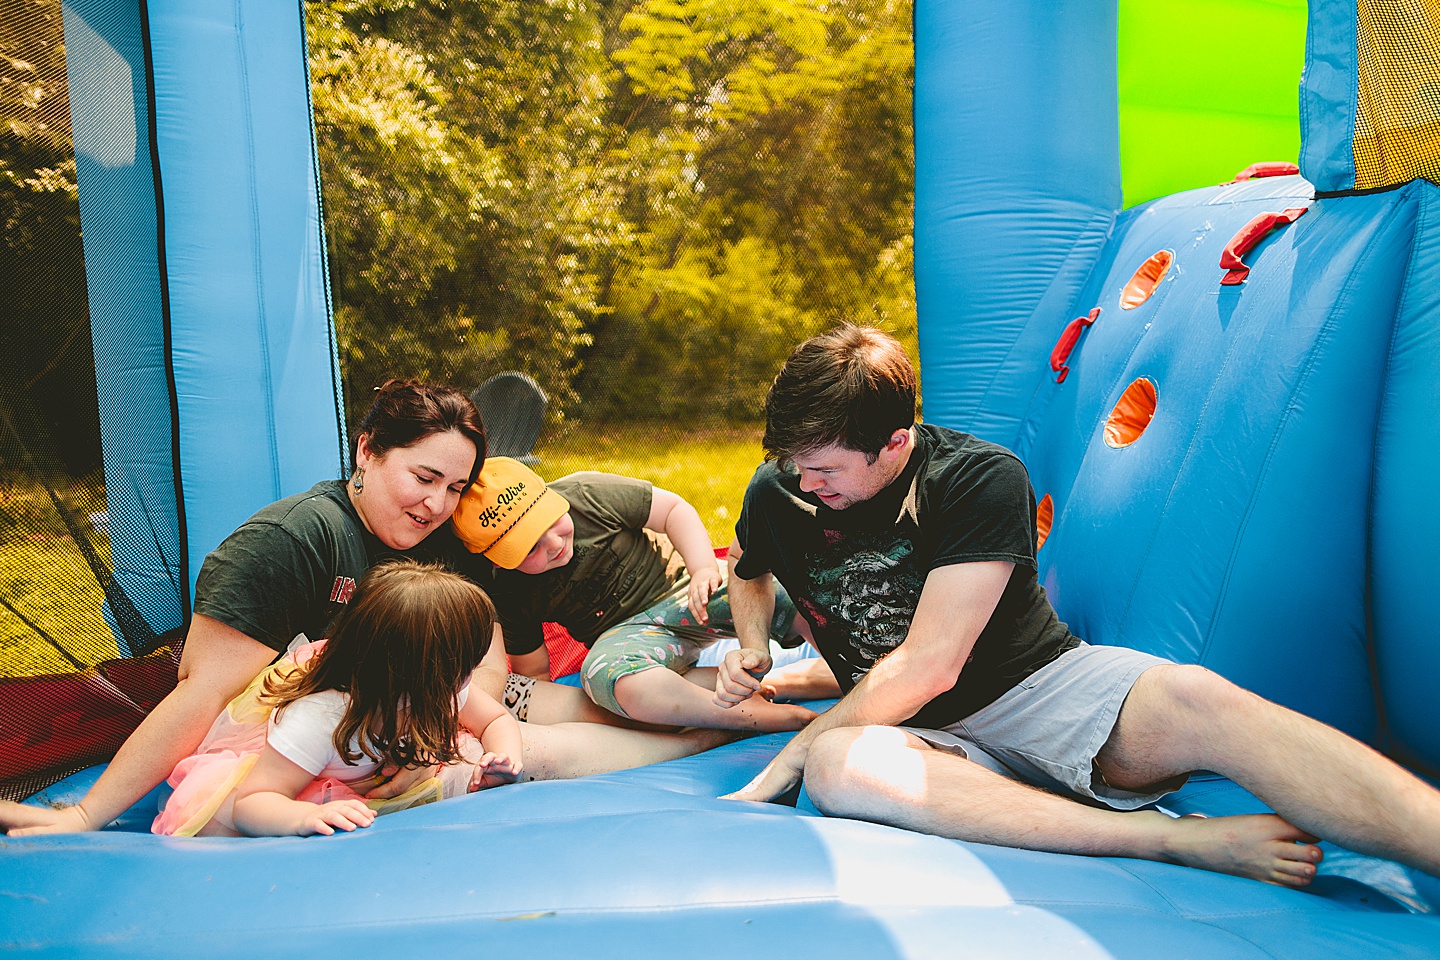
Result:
x=564 y=750
x=1181 y=718
x=886 y=775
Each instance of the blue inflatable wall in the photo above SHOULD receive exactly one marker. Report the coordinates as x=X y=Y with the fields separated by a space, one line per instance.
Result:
x=200 y=210
x=1271 y=520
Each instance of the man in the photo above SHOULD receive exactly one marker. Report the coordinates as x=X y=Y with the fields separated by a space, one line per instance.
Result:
x=910 y=550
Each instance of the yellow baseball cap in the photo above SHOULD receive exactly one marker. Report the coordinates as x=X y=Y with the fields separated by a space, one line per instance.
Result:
x=505 y=511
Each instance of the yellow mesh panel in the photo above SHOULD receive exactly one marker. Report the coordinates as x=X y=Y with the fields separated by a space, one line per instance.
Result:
x=1397 y=123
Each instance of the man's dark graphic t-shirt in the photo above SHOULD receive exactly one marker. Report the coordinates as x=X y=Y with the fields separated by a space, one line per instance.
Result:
x=856 y=574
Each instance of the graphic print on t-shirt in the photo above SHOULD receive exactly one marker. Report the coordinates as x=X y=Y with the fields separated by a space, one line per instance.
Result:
x=865 y=586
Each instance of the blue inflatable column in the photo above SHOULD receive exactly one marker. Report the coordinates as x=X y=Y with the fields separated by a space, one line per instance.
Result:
x=256 y=377
x=1017 y=180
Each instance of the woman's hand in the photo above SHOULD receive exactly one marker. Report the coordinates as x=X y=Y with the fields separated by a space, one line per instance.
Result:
x=401 y=779
x=22 y=820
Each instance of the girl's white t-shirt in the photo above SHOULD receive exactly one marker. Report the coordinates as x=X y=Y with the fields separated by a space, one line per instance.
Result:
x=304 y=734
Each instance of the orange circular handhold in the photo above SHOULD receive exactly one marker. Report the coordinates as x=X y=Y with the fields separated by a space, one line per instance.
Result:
x=1044 y=517
x=1147 y=277
x=1132 y=414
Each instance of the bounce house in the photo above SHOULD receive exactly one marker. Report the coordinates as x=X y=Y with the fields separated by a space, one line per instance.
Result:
x=1227 y=400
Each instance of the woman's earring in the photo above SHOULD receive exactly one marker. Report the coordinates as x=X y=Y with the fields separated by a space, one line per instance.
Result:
x=358 y=481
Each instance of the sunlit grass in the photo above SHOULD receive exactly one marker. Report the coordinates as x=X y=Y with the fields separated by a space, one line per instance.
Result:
x=46 y=583
x=707 y=465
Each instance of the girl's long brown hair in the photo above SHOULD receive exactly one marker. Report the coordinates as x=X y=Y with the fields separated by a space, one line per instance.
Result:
x=401 y=650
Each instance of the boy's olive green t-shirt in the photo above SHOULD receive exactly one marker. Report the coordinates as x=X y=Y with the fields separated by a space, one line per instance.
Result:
x=618 y=569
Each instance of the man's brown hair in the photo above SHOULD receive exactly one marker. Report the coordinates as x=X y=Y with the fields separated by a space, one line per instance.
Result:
x=853 y=387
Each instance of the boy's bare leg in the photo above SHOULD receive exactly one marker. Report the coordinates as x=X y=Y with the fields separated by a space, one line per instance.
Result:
x=661 y=696
x=886 y=775
x=1180 y=718
x=564 y=750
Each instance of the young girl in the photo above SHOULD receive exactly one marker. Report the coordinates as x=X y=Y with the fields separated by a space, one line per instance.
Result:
x=294 y=753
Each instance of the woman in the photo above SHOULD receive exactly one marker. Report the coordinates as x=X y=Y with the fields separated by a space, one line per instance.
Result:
x=291 y=568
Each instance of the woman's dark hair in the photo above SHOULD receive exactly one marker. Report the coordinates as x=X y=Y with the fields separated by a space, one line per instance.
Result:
x=852 y=387
x=402 y=649
x=406 y=412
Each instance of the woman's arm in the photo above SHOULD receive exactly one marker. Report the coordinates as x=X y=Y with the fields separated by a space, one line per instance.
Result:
x=217 y=663
x=673 y=516
x=265 y=804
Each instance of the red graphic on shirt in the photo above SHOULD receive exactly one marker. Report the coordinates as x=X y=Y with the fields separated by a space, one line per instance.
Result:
x=343 y=589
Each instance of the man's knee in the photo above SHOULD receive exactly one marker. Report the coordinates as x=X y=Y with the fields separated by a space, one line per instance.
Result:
x=847 y=768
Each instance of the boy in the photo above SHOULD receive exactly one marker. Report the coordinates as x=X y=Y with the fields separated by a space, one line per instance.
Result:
x=629 y=570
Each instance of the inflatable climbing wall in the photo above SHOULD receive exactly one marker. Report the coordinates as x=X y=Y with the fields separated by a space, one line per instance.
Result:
x=1224 y=396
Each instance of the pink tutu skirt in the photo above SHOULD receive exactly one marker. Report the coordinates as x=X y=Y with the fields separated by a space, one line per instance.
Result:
x=202 y=797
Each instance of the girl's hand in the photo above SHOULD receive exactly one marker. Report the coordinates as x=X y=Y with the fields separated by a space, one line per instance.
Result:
x=493 y=770
x=326 y=817
x=702 y=586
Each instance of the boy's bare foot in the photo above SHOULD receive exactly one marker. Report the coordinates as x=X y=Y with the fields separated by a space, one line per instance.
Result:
x=762 y=716
x=661 y=697
x=756 y=715
x=1259 y=846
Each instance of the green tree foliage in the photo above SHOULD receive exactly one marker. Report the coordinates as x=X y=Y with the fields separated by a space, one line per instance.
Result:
x=448 y=251
x=641 y=204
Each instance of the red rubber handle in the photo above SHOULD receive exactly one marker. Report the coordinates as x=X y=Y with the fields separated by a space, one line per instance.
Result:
x=1267 y=168
x=1248 y=237
x=1067 y=341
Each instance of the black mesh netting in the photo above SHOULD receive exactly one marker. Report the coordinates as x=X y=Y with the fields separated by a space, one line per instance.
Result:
x=70 y=688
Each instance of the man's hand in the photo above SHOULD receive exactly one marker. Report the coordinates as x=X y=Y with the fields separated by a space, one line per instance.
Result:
x=739 y=677
x=702 y=587
x=779 y=775
x=493 y=770
x=400 y=780
x=21 y=820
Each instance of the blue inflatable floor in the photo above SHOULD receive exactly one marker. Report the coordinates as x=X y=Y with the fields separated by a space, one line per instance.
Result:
x=647 y=863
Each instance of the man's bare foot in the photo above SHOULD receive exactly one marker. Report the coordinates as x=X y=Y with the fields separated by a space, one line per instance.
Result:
x=1258 y=846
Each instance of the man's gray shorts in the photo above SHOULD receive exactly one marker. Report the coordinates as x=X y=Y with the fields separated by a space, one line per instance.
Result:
x=1047 y=730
